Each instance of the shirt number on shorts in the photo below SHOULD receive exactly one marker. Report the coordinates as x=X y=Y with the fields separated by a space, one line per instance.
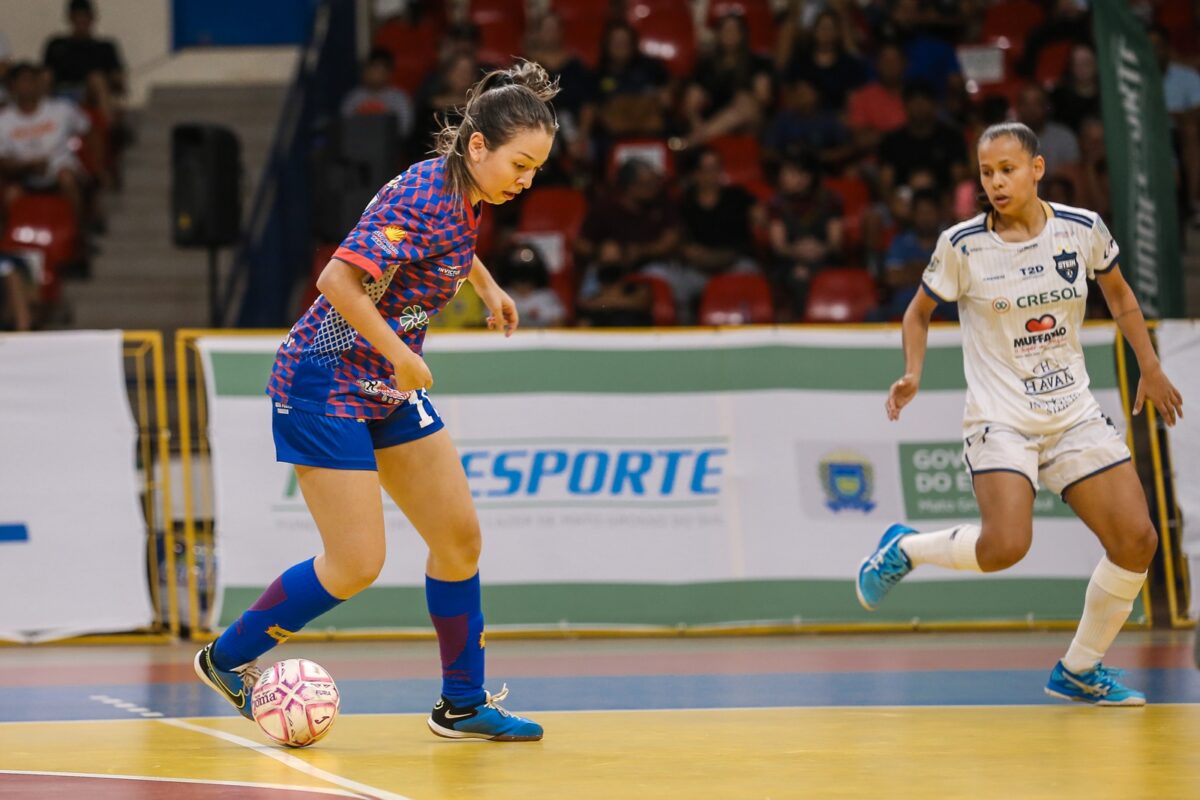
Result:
x=415 y=399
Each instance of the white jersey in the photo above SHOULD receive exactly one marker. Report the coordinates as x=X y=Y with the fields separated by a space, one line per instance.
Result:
x=1021 y=305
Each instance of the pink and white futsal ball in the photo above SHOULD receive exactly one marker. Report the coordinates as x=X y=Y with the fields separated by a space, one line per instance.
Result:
x=295 y=702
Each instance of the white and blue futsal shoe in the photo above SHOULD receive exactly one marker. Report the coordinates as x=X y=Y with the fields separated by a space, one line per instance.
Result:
x=1098 y=686
x=884 y=568
x=488 y=720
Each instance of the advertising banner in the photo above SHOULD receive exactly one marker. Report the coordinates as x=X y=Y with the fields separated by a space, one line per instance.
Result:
x=72 y=534
x=691 y=478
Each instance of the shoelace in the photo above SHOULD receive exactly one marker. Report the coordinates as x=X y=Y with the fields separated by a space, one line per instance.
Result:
x=493 y=700
x=890 y=568
x=249 y=673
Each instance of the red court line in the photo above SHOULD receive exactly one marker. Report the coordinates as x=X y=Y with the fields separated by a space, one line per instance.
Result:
x=642 y=662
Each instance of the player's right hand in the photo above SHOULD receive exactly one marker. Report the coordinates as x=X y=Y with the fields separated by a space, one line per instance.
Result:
x=412 y=373
x=901 y=394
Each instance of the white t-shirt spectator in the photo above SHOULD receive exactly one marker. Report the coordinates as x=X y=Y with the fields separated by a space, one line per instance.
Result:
x=44 y=134
x=1181 y=87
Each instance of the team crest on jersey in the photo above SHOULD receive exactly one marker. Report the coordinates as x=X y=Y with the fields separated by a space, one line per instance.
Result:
x=1067 y=265
x=1001 y=305
x=848 y=480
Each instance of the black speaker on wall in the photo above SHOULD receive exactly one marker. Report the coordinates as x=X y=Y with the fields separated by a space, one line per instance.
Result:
x=206 y=171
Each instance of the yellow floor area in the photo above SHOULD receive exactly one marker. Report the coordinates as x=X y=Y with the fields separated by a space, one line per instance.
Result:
x=1006 y=753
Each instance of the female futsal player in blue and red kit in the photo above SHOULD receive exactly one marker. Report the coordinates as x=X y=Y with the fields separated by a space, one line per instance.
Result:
x=352 y=414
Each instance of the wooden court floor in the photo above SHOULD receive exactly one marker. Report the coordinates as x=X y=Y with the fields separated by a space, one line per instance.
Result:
x=928 y=716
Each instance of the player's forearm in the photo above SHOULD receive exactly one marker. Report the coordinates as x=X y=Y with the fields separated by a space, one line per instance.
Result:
x=481 y=279
x=915 y=328
x=1128 y=315
x=348 y=297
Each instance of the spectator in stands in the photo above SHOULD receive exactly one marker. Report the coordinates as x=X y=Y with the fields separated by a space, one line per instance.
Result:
x=731 y=89
x=1059 y=146
x=643 y=219
x=827 y=64
x=1181 y=89
x=376 y=95
x=931 y=60
x=802 y=124
x=72 y=58
x=1089 y=177
x=909 y=255
x=877 y=108
x=633 y=88
x=443 y=94
x=717 y=220
x=805 y=231
x=528 y=281
x=608 y=299
x=1066 y=22
x=16 y=296
x=35 y=138
x=924 y=142
x=5 y=62
x=1077 y=96
x=575 y=103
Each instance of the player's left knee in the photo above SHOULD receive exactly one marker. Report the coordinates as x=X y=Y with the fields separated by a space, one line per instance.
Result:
x=1137 y=548
x=461 y=548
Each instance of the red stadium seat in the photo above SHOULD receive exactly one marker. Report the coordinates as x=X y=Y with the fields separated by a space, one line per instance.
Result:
x=844 y=294
x=852 y=191
x=663 y=311
x=44 y=227
x=582 y=36
x=737 y=299
x=1178 y=18
x=667 y=32
x=1012 y=20
x=500 y=41
x=1052 y=63
x=550 y=220
x=485 y=239
x=760 y=21
x=413 y=49
x=741 y=158
x=486 y=12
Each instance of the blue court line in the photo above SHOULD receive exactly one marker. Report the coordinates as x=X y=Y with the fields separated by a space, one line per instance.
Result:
x=952 y=688
x=16 y=532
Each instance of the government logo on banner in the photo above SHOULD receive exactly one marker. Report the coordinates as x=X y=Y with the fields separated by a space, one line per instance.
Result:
x=848 y=480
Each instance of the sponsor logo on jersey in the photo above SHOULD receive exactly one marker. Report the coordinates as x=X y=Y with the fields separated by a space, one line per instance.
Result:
x=381 y=241
x=450 y=272
x=1053 y=405
x=1043 y=330
x=934 y=263
x=382 y=391
x=848 y=480
x=1051 y=296
x=1067 y=265
x=1047 y=379
x=413 y=317
x=395 y=234
x=1001 y=305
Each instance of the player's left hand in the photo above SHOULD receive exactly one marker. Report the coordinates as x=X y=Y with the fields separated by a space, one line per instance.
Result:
x=504 y=311
x=1155 y=387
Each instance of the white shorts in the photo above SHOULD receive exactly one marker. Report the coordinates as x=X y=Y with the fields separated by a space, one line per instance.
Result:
x=1058 y=460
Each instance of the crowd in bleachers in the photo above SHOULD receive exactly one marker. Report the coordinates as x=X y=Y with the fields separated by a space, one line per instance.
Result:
x=745 y=161
x=60 y=136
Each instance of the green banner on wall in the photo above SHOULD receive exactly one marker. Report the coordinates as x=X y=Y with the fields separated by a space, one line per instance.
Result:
x=1140 y=168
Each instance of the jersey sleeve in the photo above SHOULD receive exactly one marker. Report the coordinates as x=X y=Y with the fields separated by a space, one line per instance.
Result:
x=1103 y=252
x=388 y=232
x=944 y=279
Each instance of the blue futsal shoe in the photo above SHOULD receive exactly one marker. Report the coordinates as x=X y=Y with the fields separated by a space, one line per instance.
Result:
x=1098 y=686
x=235 y=685
x=883 y=569
x=485 y=721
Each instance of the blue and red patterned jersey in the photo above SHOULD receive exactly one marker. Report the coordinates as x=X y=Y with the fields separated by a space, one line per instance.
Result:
x=415 y=243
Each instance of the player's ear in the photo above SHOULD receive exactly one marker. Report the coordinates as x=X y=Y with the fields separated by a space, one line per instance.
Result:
x=1039 y=168
x=477 y=147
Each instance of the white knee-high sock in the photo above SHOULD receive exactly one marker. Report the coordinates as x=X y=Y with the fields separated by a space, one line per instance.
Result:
x=953 y=548
x=1106 y=606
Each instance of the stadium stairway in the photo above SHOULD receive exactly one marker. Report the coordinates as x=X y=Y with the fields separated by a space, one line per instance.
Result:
x=139 y=278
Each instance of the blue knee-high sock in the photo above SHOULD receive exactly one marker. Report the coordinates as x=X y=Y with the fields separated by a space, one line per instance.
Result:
x=457 y=614
x=291 y=602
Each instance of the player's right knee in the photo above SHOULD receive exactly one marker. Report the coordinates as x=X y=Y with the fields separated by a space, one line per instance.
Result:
x=355 y=574
x=999 y=551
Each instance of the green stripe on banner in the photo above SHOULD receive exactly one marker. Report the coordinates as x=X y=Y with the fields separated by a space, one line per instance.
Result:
x=696 y=604
x=862 y=369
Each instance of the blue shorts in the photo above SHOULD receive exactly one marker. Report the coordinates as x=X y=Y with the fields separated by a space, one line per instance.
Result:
x=315 y=440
